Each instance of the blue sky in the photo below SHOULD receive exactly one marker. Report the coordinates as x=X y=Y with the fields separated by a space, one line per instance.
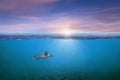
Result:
x=37 y=16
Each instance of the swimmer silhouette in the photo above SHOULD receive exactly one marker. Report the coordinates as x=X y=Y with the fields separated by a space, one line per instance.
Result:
x=43 y=55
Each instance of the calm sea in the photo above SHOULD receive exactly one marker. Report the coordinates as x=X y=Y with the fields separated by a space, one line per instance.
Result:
x=72 y=59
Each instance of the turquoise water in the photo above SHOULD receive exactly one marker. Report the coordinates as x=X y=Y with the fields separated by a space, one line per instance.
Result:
x=73 y=59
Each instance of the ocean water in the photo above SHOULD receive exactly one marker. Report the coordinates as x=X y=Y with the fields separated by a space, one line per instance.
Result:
x=72 y=59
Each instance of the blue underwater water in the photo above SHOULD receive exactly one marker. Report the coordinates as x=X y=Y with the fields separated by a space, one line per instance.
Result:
x=72 y=59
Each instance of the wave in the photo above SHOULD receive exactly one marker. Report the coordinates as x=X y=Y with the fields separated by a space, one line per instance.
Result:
x=62 y=36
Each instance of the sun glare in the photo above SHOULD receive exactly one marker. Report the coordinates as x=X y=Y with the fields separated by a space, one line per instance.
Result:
x=67 y=32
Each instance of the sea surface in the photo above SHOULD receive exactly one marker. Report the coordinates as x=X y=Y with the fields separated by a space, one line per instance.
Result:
x=72 y=59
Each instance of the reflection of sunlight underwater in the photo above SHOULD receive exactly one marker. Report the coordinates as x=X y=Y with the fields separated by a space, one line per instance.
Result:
x=72 y=59
x=64 y=43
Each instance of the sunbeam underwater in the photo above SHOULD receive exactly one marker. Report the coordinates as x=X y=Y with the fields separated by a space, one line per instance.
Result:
x=72 y=59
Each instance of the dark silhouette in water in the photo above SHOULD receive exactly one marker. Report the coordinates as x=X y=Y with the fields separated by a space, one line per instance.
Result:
x=46 y=53
x=43 y=55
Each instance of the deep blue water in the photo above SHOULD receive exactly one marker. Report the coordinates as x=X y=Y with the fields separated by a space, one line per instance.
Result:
x=73 y=59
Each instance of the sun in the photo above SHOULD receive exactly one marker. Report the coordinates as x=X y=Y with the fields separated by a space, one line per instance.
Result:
x=67 y=32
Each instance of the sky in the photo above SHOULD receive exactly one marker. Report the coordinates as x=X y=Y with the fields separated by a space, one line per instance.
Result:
x=39 y=16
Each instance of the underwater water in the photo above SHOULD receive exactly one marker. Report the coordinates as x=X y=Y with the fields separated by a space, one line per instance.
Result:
x=72 y=59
